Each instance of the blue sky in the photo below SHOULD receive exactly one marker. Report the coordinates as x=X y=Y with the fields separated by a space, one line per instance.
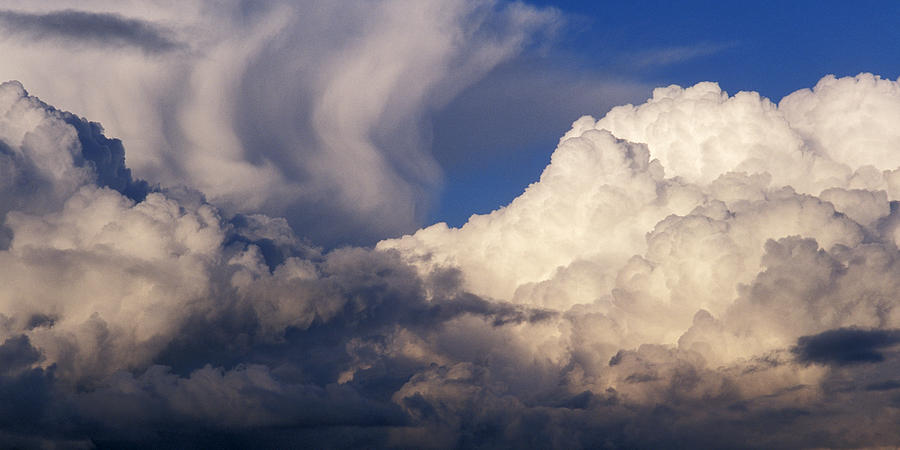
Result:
x=771 y=47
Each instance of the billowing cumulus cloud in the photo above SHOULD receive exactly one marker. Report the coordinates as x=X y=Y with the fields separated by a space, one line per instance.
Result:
x=704 y=246
x=700 y=270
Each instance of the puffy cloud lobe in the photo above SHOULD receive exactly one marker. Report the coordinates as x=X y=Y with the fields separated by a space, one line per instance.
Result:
x=39 y=154
x=32 y=163
x=498 y=245
x=665 y=283
x=868 y=137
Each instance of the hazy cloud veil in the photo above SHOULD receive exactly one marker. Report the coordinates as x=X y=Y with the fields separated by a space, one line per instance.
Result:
x=700 y=270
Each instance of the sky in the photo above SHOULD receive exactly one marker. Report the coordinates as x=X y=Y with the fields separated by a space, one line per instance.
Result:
x=449 y=224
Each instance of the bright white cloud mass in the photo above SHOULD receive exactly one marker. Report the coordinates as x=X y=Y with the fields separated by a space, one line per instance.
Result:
x=701 y=270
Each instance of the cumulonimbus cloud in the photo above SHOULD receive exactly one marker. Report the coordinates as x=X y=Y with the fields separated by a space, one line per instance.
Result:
x=700 y=270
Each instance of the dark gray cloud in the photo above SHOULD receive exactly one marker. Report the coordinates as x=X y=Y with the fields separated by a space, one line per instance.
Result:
x=104 y=29
x=285 y=387
x=106 y=157
x=887 y=385
x=845 y=346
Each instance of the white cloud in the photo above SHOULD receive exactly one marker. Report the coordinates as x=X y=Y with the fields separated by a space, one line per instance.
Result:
x=600 y=195
x=694 y=239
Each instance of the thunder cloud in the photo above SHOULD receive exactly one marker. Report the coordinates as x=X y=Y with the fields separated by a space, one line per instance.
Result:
x=699 y=270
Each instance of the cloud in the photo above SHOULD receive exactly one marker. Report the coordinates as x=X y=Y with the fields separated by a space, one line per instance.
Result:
x=129 y=283
x=812 y=113
x=845 y=346
x=97 y=29
x=314 y=111
x=706 y=222
x=700 y=270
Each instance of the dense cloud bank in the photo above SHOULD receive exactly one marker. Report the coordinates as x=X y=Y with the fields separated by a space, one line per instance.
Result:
x=701 y=270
